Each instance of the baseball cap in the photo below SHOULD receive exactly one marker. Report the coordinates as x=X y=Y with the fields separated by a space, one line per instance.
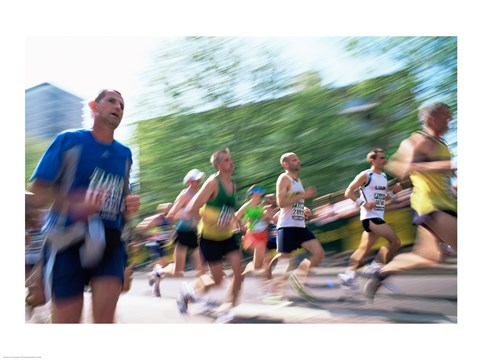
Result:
x=256 y=189
x=193 y=174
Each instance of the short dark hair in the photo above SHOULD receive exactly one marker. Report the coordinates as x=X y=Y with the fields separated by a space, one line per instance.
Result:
x=373 y=154
x=104 y=92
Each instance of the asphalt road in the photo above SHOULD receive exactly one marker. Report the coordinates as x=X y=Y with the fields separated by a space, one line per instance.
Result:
x=420 y=297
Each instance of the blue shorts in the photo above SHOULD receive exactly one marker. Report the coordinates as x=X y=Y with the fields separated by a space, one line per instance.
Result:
x=291 y=238
x=214 y=251
x=186 y=238
x=70 y=278
x=272 y=237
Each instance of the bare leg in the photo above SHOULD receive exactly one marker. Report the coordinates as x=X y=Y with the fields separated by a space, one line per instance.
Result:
x=180 y=256
x=274 y=262
x=366 y=242
x=445 y=227
x=198 y=261
x=204 y=283
x=318 y=254
x=425 y=253
x=281 y=262
x=258 y=256
x=105 y=294
x=235 y=260
x=67 y=311
x=248 y=269
x=385 y=231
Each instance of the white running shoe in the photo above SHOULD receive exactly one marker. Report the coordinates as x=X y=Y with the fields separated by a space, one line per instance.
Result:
x=371 y=287
x=371 y=268
x=156 y=289
x=184 y=297
x=225 y=317
x=349 y=281
x=151 y=279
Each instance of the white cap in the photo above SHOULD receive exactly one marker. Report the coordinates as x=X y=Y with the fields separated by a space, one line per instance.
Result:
x=193 y=174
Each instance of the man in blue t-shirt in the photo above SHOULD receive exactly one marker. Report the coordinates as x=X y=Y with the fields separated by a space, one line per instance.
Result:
x=84 y=175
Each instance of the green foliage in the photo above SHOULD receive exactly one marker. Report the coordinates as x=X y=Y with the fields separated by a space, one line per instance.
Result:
x=431 y=59
x=34 y=149
x=199 y=73
x=331 y=143
x=218 y=93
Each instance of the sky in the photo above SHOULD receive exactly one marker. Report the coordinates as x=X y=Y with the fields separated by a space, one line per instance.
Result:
x=90 y=21
x=73 y=63
x=84 y=65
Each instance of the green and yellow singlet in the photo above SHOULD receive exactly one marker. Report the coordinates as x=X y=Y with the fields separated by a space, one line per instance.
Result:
x=216 y=222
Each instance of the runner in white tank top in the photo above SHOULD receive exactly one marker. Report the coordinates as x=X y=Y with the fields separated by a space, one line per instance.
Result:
x=374 y=190
x=292 y=233
x=294 y=215
x=372 y=185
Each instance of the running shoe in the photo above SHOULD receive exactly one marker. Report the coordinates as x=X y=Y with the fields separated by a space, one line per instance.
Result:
x=371 y=268
x=208 y=306
x=184 y=297
x=156 y=289
x=349 y=282
x=225 y=317
x=371 y=286
x=151 y=279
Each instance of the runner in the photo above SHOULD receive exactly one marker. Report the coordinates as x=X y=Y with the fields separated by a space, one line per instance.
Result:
x=292 y=234
x=159 y=233
x=185 y=236
x=425 y=157
x=373 y=185
x=215 y=205
x=255 y=218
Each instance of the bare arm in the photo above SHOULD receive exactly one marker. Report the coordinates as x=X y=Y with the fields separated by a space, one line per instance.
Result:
x=355 y=184
x=208 y=190
x=409 y=155
x=180 y=202
x=147 y=223
x=275 y=217
x=284 y=199
x=42 y=195
x=359 y=180
x=77 y=204
x=240 y=212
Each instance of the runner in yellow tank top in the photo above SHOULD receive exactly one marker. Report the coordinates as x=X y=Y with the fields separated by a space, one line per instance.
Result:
x=426 y=159
x=431 y=190
x=214 y=204
x=216 y=215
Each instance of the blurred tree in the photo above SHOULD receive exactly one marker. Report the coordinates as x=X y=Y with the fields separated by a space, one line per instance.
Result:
x=330 y=134
x=34 y=149
x=201 y=73
x=431 y=59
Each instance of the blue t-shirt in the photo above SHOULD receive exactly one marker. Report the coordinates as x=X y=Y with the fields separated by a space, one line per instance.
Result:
x=79 y=166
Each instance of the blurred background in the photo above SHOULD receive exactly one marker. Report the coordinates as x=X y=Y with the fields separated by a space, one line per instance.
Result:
x=328 y=99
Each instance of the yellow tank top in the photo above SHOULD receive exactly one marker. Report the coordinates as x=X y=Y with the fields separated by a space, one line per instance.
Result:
x=432 y=190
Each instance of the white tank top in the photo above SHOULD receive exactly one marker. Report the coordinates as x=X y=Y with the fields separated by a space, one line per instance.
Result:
x=375 y=189
x=293 y=216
